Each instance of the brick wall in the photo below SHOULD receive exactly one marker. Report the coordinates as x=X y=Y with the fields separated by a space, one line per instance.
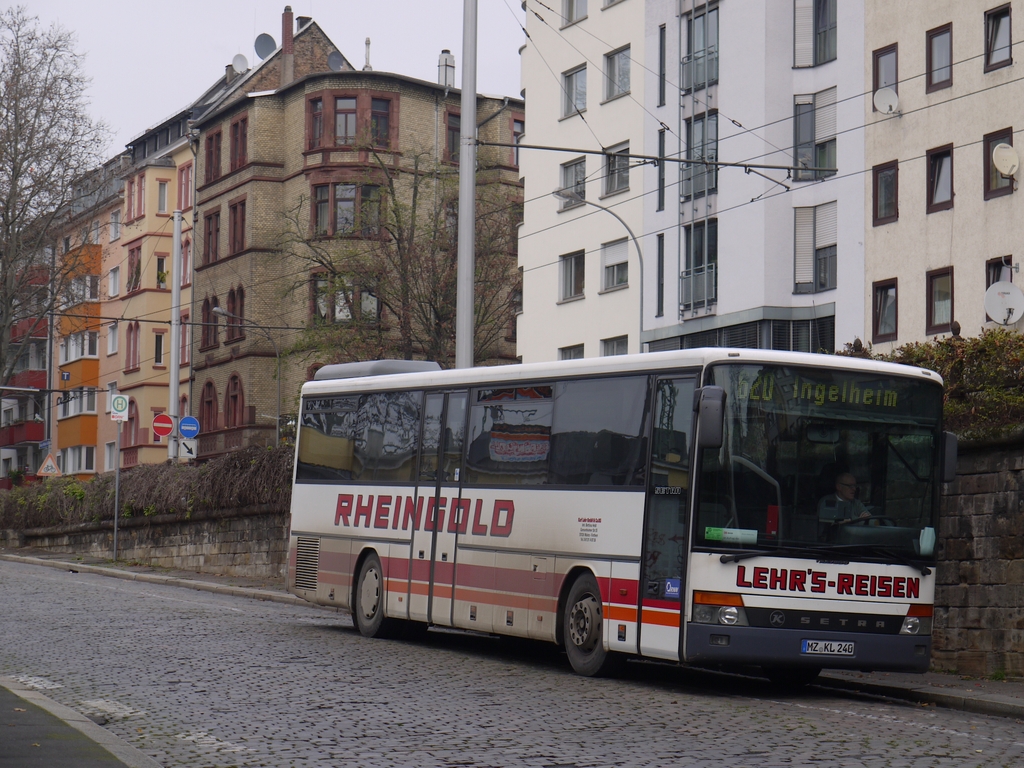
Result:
x=979 y=598
x=245 y=542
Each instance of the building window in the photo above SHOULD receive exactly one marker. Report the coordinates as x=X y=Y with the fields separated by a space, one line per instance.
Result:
x=380 y=122
x=572 y=275
x=316 y=123
x=186 y=263
x=617 y=169
x=661 y=170
x=129 y=206
x=114 y=282
x=321 y=209
x=213 y=142
x=700 y=65
x=662 y=66
x=109 y=457
x=616 y=68
x=574 y=83
x=75 y=346
x=112 y=338
x=161 y=197
x=939 y=55
x=208 y=408
x=698 y=178
x=885 y=186
x=185 y=350
x=239 y=143
x=111 y=391
x=574 y=181
x=884 y=311
x=344 y=121
x=815 y=250
x=115 y=224
x=885 y=73
x=698 y=283
x=236 y=314
x=140 y=193
x=575 y=352
x=998 y=40
x=211 y=238
x=134 y=269
x=940 y=301
x=357 y=210
x=617 y=346
x=574 y=10
x=824 y=31
x=454 y=135
x=158 y=349
x=518 y=131
x=236 y=227
x=615 y=264
x=661 y=276
x=330 y=304
x=940 y=179
x=161 y=272
x=996 y=185
x=814 y=122
x=210 y=335
x=814 y=32
x=185 y=186
x=233 y=403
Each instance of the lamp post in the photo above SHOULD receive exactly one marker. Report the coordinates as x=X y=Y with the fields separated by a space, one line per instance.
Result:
x=568 y=196
x=277 y=354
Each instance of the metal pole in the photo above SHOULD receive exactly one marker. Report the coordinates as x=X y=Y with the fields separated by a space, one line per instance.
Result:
x=174 y=374
x=465 y=304
x=117 y=485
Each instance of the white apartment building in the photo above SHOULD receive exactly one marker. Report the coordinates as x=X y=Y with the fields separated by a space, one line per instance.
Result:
x=743 y=256
x=942 y=221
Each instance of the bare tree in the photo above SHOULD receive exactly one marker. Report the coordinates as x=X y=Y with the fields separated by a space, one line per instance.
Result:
x=390 y=291
x=48 y=142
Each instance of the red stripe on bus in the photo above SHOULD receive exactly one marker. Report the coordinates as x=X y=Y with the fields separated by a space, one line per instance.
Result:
x=666 y=605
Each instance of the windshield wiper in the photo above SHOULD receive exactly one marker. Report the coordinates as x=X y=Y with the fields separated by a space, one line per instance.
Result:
x=739 y=556
x=890 y=553
x=828 y=554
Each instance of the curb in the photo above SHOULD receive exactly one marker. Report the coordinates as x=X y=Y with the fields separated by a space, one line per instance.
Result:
x=975 y=703
x=118 y=747
x=153 y=578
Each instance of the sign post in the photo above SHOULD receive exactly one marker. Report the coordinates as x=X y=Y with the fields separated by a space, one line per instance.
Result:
x=118 y=413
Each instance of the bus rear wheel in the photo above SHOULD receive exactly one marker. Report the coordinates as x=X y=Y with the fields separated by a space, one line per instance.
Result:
x=583 y=627
x=368 y=610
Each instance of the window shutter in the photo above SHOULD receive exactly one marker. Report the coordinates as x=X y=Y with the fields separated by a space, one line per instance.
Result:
x=803 y=254
x=824 y=115
x=803 y=33
x=825 y=225
x=614 y=253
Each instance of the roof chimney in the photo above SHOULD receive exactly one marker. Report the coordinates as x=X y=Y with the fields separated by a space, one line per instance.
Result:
x=301 y=21
x=287 y=47
x=230 y=74
x=367 y=67
x=446 y=69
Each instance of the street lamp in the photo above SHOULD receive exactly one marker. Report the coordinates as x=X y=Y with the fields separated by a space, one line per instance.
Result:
x=277 y=354
x=568 y=196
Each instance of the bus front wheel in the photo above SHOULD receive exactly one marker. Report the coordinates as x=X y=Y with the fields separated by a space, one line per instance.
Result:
x=582 y=629
x=370 y=595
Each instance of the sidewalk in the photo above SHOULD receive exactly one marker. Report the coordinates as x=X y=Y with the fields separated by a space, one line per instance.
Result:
x=983 y=697
x=40 y=733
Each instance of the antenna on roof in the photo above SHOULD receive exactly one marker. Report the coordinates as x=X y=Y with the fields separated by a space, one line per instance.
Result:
x=367 y=67
x=265 y=45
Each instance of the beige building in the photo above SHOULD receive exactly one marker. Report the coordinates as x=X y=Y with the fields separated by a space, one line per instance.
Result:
x=942 y=221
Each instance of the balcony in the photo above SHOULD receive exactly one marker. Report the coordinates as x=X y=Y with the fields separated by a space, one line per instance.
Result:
x=700 y=69
x=698 y=179
x=23 y=327
x=29 y=378
x=698 y=287
x=20 y=432
x=234 y=438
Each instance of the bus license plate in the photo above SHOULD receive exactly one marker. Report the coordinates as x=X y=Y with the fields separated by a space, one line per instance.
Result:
x=827 y=648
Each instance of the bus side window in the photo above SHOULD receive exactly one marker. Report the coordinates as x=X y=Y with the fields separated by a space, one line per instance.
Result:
x=432 y=411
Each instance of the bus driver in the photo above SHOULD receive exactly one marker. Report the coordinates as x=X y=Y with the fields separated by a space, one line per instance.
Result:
x=843 y=506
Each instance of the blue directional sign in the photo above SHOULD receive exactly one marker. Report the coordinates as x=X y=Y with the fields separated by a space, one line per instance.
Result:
x=188 y=426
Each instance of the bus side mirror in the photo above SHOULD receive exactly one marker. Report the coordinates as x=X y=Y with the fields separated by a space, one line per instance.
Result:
x=709 y=405
x=949 y=445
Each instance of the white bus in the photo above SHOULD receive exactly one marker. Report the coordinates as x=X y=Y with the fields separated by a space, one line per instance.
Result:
x=717 y=507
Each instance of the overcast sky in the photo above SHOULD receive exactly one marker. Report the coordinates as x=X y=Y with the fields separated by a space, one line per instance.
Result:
x=149 y=59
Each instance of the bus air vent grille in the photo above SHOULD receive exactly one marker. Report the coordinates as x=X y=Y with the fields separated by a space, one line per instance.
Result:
x=307 y=563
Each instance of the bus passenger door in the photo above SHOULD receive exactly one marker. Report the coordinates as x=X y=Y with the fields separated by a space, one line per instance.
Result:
x=662 y=571
x=433 y=551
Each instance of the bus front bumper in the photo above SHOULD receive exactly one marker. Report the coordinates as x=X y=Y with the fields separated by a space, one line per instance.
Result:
x=734 y=645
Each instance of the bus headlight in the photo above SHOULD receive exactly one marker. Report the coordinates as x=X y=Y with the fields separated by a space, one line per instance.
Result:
x=704 y=614
x=728 y=615
x=918 y=620
x=718 y=608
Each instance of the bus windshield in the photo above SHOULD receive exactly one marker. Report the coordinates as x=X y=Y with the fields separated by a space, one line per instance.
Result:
x=822 y=462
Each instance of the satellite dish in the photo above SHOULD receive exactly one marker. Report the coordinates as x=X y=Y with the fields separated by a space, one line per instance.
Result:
x=240 y=64
x=1004 y=303
x=886 y=101
x=265 y=45
x=1004 y=158
x=335 y=61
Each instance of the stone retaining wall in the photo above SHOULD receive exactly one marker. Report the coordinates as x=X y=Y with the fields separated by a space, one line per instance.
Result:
x=979 y=596
x=245 y=542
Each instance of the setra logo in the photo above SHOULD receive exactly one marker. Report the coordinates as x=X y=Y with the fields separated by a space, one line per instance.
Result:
x=778 y=618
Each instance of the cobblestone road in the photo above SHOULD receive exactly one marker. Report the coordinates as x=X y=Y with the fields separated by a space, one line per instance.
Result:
x=198 y=679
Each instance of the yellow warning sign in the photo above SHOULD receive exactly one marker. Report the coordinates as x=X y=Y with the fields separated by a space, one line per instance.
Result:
x=49 y=467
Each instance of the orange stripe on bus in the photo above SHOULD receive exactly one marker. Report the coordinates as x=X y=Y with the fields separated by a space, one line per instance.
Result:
x=620 y=613
x=661 y=619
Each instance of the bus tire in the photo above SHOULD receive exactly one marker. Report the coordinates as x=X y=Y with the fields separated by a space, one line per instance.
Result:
x=791 y=677
x=583 y=629
x=368 y=606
